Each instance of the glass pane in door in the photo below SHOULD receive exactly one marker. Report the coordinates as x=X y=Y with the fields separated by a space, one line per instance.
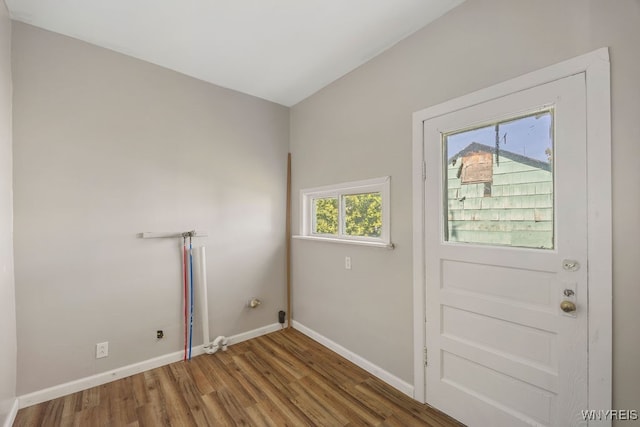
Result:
x=498 y=184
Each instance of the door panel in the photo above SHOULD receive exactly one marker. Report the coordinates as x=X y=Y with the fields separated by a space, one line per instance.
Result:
x=498 y=389
x=511 y=283
x=501 y=352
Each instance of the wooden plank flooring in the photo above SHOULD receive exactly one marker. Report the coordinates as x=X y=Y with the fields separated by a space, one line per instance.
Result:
x=280 y=379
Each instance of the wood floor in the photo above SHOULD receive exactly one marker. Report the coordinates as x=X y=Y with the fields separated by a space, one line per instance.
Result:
x=280 y=379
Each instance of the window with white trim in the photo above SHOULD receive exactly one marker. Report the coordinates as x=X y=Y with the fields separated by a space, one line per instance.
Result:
x=352 y=212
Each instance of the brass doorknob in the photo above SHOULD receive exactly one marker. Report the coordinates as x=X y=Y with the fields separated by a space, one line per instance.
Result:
x=567 y=306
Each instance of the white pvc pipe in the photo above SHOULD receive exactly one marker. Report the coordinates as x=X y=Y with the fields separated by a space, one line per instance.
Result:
x=218 y=343
x=204 y=302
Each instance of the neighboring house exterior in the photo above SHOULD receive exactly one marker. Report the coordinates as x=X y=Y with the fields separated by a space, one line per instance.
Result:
x=503 y=200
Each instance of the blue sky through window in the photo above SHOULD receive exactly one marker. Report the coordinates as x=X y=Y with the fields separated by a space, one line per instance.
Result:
x=529 y=136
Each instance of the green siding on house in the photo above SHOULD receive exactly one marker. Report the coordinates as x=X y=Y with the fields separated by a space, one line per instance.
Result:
x=518 y=211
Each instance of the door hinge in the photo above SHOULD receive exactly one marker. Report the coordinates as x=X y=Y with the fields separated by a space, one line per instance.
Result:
x=425 y=357
x=424 y=170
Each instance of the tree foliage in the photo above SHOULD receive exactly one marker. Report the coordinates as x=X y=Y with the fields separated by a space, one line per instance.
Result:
x=326 y=215
x=363 y=215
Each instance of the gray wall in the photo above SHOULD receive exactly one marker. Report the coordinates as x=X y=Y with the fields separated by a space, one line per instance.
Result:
x=7 y=291
x=360 y=127
x=107 y=146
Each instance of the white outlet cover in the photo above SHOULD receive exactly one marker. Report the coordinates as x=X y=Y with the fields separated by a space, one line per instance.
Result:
x=102 y=349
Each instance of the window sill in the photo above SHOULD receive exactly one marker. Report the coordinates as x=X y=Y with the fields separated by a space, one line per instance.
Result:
x=348 y=242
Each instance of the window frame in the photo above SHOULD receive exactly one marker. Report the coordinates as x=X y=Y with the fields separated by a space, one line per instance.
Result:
x=380 y=185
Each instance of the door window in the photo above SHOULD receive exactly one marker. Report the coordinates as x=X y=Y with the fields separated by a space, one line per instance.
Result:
x=498 y=184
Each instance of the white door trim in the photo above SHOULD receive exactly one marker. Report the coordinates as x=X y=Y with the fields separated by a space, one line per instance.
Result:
x=595 y=65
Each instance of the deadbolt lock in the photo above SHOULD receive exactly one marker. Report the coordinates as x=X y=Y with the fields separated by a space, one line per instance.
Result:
x=570 y=265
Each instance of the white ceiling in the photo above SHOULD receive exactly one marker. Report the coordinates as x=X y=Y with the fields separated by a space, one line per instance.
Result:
x=279 y=50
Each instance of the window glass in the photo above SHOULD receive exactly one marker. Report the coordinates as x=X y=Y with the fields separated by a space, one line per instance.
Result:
x=356 y=212
x=499 y=183
x=363 y=214
x=325 y=215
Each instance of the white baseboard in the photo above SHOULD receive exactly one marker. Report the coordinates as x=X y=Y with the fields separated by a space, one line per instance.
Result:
x=254 y=333
x=373 y=369
x=126 y=371
x=11 y=416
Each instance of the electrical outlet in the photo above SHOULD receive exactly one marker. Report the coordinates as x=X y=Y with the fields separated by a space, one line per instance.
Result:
x=347 y=263
x=102 y=349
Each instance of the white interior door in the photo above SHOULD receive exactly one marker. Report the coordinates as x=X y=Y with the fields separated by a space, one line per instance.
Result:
x=505 y=248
